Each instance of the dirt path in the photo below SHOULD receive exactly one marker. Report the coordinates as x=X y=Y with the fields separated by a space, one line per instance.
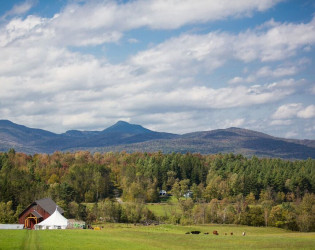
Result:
x=30 y=241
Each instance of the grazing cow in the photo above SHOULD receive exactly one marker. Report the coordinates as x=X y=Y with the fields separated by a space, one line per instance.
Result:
x=195 y=232
x=215 y=232
x=231 y=233
x=206 y=233
x=244 y=233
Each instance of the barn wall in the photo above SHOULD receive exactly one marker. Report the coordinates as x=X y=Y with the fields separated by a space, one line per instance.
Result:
x=25 y=214
x=35 y=207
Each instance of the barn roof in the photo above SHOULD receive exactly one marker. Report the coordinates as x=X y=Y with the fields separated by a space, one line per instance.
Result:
x=47 y=204
x=36 y=214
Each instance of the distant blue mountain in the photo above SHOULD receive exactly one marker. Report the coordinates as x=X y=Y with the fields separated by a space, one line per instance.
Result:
x=126 y=128
x=123 y=133
x=78 y=133
x=132 y=137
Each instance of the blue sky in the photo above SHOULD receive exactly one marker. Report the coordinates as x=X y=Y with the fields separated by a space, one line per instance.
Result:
x=175 y=66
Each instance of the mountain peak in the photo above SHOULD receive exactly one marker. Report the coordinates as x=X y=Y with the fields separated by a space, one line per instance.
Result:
x=124 y=136
x=122 y=123
x=125 y=127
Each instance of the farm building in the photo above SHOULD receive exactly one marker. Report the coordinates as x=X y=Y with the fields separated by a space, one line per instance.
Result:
x=38 y=211
x=163 y=193
x=189 y=194
x=11 y=226
x=72 y=223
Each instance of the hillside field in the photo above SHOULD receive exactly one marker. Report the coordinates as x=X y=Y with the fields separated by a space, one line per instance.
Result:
x=124 y=236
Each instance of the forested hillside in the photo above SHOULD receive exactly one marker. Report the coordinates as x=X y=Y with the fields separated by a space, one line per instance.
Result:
x=232 y=188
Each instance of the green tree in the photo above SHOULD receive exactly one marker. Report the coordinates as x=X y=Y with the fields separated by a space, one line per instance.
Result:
x=176 y=190
x=186 y=207
x=6 y=213
x=184 y=187
x=255 y=216
x=306 y=213
x=250 y=198
x=170 y=179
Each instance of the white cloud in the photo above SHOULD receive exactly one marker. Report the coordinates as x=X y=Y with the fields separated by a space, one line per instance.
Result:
x=291 y=134
x=277 y=43
x=133 y=40
x=281 y=122
x=205 y=53
x=287 y=111
x=19 y=9
x=233 y=123
x=194 y=52
x=23 y=30
x=98 y=22
x=237 y=79
x=311 y=128
x=203 y=98
x=266 y=71
x=308 y=112
x=156 y=14
x=294 y=110
x=167 y=82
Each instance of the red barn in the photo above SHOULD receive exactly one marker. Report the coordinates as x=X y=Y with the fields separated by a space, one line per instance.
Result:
x=38 y=211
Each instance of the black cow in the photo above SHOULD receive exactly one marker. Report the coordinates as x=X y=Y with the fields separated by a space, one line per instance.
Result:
x=195 y=232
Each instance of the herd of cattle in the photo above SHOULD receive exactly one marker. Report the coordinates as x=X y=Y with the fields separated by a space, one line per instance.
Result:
x=215 y=232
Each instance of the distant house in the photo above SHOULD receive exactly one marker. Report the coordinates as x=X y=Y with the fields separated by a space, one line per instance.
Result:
x=189 y=194
x=38 y=211
x=163 y=193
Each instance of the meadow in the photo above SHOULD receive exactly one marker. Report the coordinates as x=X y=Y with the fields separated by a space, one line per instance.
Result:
x=129 y=236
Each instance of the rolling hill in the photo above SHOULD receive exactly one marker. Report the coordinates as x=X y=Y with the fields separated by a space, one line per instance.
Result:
x=123 y=136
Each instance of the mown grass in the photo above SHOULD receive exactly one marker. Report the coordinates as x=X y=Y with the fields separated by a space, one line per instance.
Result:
x=164 y=208
x=161 y=209
x=124 y=236
x=12 y=239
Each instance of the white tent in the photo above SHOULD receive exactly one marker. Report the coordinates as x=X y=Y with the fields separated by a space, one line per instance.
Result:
x=54 y=221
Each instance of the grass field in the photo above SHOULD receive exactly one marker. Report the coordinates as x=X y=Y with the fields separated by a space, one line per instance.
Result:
x=161 y=209
x=122 y=236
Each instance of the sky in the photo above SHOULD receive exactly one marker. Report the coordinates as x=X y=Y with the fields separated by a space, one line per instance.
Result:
x=169 y=65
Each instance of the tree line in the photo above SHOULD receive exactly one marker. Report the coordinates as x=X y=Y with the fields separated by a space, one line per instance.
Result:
x=224 y=188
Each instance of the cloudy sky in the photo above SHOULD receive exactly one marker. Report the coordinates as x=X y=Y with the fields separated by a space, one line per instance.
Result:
x=170 y=65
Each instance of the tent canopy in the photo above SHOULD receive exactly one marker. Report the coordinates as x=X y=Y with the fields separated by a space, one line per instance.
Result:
x=54 y=221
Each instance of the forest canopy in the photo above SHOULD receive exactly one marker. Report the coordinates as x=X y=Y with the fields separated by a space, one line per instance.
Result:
x=264 y=185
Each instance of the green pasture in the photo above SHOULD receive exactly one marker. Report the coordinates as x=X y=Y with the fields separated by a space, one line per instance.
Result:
x=124 y=236
x=161 y=209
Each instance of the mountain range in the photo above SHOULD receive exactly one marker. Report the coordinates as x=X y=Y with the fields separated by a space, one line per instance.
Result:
x=123 y=136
